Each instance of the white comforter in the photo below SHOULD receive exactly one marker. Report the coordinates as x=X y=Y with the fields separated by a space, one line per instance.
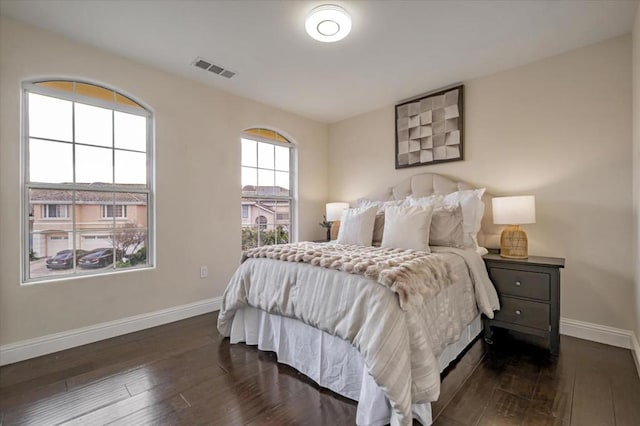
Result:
x=400 y=348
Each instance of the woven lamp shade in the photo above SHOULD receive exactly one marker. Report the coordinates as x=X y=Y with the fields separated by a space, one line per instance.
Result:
x=335 y=228
x=514 y=211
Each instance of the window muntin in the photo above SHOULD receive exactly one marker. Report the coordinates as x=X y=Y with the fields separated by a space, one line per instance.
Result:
x=267 y=188
x=88 y=149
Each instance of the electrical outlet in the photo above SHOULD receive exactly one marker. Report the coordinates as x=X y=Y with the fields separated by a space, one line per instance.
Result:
x=204 y=271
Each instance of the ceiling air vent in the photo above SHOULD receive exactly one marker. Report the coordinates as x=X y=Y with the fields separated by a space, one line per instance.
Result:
x=202 y=64
x=216 y=69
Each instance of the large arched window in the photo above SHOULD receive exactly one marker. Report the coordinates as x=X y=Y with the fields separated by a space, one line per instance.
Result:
x=88 y=180
x=268 y=183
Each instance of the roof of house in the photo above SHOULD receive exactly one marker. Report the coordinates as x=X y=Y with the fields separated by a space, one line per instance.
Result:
x=54 y=196
x=265 y=190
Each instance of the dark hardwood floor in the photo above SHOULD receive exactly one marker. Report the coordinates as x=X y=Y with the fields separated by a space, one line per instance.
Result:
x=184 y=373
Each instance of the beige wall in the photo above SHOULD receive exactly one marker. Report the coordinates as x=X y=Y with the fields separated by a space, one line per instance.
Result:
x=198 y=186
x=560 y=129
x=636 y=163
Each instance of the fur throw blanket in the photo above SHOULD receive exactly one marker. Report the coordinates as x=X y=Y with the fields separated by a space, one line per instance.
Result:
x=413 y=275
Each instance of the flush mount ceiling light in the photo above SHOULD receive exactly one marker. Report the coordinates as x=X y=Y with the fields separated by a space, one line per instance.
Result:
x=328 y=23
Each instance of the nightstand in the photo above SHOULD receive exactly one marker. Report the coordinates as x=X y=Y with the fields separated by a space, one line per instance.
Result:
x=529 y=293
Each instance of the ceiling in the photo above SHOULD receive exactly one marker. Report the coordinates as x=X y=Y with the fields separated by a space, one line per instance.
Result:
x=397 y=49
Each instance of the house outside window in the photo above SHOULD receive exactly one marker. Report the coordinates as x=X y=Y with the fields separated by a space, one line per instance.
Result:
x=88 y=187
x=268 y=188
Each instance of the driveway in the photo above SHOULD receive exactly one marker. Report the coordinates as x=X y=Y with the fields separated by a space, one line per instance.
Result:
x=38 y=269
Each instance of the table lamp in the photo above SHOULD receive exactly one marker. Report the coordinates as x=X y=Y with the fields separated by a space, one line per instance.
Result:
x=513 y=212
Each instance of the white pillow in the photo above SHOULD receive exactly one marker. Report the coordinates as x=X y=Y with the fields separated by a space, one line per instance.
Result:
x=407 y=227
x=434 y=200
x=472 y=211
x=380 y=205
x=356 y=226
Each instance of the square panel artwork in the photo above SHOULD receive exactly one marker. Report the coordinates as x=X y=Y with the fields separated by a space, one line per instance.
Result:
x=429 y=130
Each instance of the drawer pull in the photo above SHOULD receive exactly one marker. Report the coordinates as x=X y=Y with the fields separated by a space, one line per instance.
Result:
x=517 y=311
x=518 y=283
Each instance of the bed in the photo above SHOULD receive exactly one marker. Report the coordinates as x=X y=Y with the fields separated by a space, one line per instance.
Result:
x=381 y=345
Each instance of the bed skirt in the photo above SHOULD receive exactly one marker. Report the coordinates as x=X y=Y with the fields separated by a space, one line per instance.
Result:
x=332 y=362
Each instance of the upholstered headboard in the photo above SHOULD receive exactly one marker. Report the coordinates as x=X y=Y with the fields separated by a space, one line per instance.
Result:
x=425 y=184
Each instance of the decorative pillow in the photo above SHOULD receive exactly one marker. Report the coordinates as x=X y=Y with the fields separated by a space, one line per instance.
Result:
x=446 y=227
x=446 y=223
x=472 y=211
x=356 y=226
x=407 y=227
x=378 y=229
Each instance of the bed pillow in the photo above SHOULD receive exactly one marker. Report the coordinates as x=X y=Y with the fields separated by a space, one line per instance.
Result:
x=356 y=226
x=380 y=205
x=446 y=222
x=472 y=211
x=407 y=227
x=446 y=227
x=434 y=200
x=378 y=229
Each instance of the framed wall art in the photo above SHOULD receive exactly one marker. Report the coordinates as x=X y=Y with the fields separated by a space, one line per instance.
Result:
x=430 y=129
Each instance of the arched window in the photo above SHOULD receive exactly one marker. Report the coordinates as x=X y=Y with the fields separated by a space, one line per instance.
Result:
x=268 y=182
x=88 y=187
x=261 y=221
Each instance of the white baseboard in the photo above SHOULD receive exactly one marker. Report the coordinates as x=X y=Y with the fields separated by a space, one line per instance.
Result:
x=597 y=333
x=636 y=352
x=26 y=349
x=38 y=346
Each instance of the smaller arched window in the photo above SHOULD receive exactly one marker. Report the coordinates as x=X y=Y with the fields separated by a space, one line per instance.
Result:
x=268 y=182
x=262 y=221
x=88 y=187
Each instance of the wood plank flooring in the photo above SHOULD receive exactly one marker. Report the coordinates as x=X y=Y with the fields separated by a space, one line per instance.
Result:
x=184 y=373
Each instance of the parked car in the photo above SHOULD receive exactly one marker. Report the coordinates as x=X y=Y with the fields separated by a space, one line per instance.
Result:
x=64 y=259
x=99 y=258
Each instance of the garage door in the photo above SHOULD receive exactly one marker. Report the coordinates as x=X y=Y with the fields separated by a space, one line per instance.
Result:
x=55 y=243
x=90 y=242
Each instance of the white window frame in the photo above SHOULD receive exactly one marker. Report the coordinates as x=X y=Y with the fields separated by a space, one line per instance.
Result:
x=46 y=211
x=32 y=87
x=293 y=180
x=105 y=211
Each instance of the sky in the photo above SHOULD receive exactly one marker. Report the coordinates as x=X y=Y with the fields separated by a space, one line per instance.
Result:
x=108 y=144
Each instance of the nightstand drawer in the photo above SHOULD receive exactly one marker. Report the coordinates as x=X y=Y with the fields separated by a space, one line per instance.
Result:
x=523 y=312
x=534 y=285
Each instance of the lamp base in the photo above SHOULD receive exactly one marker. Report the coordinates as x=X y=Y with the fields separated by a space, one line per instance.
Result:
x=514 y=243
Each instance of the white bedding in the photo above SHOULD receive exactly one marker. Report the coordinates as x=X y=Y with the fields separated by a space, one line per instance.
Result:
x=332 y=362
x=400 y=348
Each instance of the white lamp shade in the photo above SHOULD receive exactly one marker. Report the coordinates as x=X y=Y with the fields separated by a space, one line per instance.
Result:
x=334 y=211
x=514 y=210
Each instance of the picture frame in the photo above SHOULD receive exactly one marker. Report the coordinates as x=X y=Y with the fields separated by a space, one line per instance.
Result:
x=430 y=128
